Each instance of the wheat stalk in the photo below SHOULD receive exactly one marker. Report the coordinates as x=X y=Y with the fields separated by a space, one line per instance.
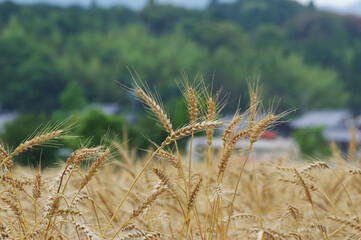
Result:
x=156 y=109
x=211 y=116
x=36 y=141
x=187 y=130
x=94 y=168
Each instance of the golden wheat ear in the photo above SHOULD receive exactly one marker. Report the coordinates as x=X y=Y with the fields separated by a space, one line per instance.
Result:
x=3 y=153
x=45 y=137
x=214 y=105
x=37 y=140
x=153 y=104
x=254 y=94
x=192 y=93
x=187 y=130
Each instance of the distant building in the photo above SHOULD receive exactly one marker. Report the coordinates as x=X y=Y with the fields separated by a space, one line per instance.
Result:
x=336 y=123
x=273 y=143
x=323 y=118
x=107 y=108
x=266 y=148
x=7 y=117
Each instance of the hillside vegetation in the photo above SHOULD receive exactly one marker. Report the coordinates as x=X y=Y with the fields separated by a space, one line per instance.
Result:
x=305 y=56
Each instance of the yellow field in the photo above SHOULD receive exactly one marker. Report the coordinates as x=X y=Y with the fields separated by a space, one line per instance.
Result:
x=163 y=195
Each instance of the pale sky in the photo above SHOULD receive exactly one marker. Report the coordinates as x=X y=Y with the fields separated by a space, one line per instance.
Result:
x=136 y=4
x=331 y=3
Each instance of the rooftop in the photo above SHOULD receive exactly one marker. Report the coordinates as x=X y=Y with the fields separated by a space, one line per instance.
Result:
x=325 y=118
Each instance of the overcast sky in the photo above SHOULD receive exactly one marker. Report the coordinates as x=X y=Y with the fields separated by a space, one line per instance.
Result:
x=331 y=3
x=136 y=4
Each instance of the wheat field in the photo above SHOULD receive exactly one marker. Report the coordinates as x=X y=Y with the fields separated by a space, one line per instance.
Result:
x=110 y=192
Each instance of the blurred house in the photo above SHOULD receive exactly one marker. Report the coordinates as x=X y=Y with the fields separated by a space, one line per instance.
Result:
x=107 y=108
x=7 y=117
x=269 y=146
x=273 y=143
x=336 y=124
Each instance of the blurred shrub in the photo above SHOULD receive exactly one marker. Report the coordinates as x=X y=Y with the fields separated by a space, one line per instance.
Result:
x=312 y=142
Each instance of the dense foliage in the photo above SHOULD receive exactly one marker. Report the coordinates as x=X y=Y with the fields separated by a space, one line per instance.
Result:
x=298 y=50
x=307 y=57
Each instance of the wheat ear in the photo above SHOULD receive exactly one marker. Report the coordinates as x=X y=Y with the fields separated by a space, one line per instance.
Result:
x=227 y=153
x=171 y=158
x=260 y=127
x=193 y=195
x=312 y=166
x=147 y=202
x=3 y=154
x=8 y=199
x=94 y=168
x=36 y=141
x=37 y=186
x=187 y=130
x=211 y=116
x=346 y=222
x=228 y=131
x=81 y=154
x=192 y=106
x=156 y=109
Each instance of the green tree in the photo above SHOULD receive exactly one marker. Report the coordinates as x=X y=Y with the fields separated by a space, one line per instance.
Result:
x=30 y=80
x=72 y=98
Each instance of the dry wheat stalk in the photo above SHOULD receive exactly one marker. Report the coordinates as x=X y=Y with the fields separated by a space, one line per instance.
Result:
x=37 y=186
x=132 y=235
x=94 y=168
x=36 y=141
x=218 y=190
x=192 y=106
x=5 y=231
x=298 y=183
x=65 y=212
x=346 y=222
x=54 y=204
x=79 y=199
x=85 y=229
x=128 y=227
x=3 y=154
x=294 y=212
x=211 y=116
x=227 y=153
x=156 y=109
x=171 y=158
x=147 y=202
x=260 y=127
x=242 y=216
x=253 y=109
x=81 y=154
x=355 y=171
x=14 y=182
x=294 y=236
x=8 y=198
x=312 y=166
x=164 y=178
x=187 y=130
x=194 y=193
x=228 y=131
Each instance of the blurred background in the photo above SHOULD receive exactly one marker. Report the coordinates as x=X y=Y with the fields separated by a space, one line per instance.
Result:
x=70 y=57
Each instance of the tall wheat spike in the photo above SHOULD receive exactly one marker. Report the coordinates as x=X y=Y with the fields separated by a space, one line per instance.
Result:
x=156 y=109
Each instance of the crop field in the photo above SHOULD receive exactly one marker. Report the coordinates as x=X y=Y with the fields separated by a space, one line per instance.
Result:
x=109 y=192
